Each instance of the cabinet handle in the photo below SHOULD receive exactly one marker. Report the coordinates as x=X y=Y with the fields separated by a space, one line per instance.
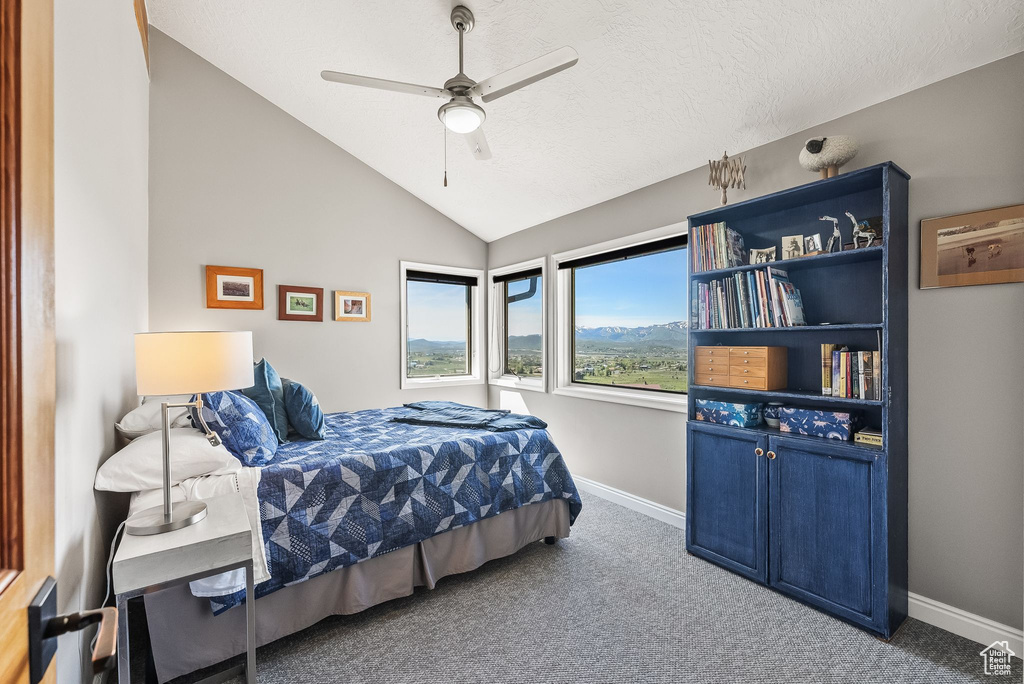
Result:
x=746 y=370
x=746 y=360
x=746 y=352
x=771 y=455
x=759 y=451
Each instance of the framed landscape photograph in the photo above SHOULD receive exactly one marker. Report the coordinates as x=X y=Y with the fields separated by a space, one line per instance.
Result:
x=228 y=287
x=351 y=306
x=979 y=248
x=295 y=303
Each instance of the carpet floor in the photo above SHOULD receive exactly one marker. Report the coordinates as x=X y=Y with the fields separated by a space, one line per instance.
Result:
x=619 y=601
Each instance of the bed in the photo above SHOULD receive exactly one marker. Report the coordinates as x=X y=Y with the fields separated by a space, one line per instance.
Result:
x=367 y=515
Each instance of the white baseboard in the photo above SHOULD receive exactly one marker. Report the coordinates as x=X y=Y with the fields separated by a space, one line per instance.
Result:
x=962 y=623
x=952 y=619
x=633 y=502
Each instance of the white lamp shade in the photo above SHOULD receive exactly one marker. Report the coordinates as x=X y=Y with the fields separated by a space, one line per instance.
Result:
x=192 y=362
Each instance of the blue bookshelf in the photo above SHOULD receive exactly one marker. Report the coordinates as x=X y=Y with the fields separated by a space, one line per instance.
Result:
x=820 y=520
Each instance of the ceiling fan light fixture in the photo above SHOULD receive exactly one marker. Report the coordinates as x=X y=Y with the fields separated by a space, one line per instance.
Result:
x=461 y=115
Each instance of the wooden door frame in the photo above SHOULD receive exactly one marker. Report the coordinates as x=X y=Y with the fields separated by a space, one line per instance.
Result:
x=29 y=390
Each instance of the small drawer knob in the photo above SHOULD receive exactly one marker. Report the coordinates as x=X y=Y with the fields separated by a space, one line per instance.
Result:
x=771 y=455
x=759 y=451
x=746 y=370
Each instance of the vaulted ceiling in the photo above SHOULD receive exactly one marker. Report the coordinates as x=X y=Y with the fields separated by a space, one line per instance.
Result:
x=661 y=85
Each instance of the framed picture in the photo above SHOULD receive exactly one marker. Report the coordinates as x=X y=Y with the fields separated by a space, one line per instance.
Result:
x=792 y=246
x=762 y=256
x=296 y=303
x=812 y=244
x=234 y=288
x=351 y=306
x=980 y=248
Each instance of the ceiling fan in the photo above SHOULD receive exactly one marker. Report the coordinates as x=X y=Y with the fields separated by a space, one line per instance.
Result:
x=461 y=114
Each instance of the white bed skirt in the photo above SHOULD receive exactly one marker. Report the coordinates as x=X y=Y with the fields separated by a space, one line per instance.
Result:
x=186 y=636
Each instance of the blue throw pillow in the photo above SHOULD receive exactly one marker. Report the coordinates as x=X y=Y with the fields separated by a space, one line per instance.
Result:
x=304 y=413
x=241 y=425
x=268 y=393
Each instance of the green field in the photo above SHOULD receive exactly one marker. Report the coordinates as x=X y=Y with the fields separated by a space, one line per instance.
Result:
x=426 y=364
x=666 y=372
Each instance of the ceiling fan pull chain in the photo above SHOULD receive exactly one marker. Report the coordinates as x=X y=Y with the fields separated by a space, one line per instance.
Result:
x=445 y=156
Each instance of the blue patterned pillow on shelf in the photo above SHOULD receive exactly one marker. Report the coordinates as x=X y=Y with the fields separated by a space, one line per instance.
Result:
x=726 y=413
x=241 y=425
x=828 y=424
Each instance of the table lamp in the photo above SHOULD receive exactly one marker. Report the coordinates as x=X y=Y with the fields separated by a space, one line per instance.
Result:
x=186 y=363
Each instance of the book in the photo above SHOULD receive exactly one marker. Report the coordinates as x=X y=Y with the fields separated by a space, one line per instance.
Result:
x=849 y=375
x=876 y=361
x=867 y=376
x=827 y=351
x=855 y=375
x=869 y=436
x=843 y=370
x=836 y=365
x=794 y=304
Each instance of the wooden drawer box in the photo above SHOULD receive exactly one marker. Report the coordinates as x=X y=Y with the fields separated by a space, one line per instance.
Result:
x=758 y=368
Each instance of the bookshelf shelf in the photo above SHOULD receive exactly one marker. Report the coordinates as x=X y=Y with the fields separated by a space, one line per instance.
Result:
x=795 y=328
x=755 y=496
x=851 y=256
x=779 y=395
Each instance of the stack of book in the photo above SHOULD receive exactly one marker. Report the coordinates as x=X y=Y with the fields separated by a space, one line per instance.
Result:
x=715 y=246
x=761 y=298
x=850 y=375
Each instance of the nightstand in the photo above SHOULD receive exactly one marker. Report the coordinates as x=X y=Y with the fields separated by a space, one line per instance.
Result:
x=221 y=542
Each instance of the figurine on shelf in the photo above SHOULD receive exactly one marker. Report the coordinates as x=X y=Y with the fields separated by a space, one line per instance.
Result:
x=835 y=243
x=826 y=155
x=864 y=230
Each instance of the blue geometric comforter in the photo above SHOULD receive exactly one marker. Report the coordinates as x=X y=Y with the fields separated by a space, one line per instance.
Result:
x=374 y=486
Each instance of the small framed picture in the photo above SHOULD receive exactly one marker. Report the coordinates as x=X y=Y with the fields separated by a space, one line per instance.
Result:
x=812 y=244
x=228 y=287
x=792 y=246
x=296 y=303
x=351 y=306
x=763 y=256
x=980 y=248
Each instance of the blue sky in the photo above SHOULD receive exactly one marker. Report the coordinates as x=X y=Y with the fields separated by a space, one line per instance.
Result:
x=436 y=311
x=635 y=292
x=525 y=316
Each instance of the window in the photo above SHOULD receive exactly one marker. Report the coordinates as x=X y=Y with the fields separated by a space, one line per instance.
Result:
x=623 y=315
x=440 y=326
x=517 y=325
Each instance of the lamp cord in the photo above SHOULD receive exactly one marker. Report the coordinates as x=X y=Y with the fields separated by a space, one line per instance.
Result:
x=106 y=593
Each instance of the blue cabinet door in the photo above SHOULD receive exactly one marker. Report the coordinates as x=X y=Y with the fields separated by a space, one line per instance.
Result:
x=727 y=497
x=827 y=527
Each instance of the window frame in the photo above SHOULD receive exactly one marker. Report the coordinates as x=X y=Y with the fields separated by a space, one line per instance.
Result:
x=563 y=359
x=498 y=341
x=475 y=336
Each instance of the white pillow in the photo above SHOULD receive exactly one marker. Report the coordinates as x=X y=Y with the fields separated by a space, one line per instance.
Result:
x=146 y=418
x=139 y=466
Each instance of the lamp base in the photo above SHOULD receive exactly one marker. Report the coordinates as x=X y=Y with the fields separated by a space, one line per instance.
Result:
x=151 y=520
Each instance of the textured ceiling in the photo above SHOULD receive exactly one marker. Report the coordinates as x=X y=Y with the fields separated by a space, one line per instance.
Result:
x=660 y=87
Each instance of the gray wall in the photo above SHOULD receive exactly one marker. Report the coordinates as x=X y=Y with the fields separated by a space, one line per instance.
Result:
x=101 y=131
x=962 y=141
x=235 y=181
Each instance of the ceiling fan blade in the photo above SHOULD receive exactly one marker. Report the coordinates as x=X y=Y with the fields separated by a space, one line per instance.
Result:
x=523 y=75
x=478 y=144
x=384 y=84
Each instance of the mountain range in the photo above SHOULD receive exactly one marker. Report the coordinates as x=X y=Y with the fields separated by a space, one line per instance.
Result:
x=663 y=335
